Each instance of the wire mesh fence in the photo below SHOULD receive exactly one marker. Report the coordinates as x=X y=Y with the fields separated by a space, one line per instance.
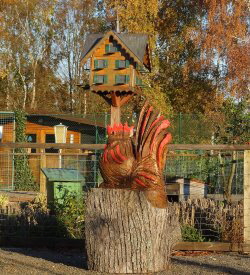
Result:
x=7 y=127
x=7 y=134
x=91 y=128
x=218 y=170
x=29 y=220
x=86 y=163
x=207 y=186
x=185 y=128
x=206 y=220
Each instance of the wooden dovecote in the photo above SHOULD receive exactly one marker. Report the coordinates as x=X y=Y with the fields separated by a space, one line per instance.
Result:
x=116 y=62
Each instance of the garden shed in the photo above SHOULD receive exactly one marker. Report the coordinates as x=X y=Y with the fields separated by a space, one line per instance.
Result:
x=40 y=129
x=179 y=189
x=61 y=182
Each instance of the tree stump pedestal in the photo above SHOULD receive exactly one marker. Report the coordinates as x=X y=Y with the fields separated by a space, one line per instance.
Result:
x=126 y=234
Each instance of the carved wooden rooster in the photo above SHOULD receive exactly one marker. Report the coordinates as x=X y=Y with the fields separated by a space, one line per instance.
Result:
x=136 y=161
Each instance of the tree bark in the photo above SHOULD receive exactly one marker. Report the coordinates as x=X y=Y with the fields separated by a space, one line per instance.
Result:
x=125 y=234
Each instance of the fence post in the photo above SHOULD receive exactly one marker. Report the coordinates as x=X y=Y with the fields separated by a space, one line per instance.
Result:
x=247 y=200
x=42 y=176
x=179 y=128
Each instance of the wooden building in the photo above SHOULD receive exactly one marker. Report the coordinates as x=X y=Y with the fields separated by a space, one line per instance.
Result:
x=7 y=134
x=40 y=129
x=7 y=127
x=116 y=62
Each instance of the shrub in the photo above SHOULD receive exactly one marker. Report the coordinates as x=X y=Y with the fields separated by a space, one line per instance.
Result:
x=3 y=200
x=191 y=234
x=63 y=218
x=69 y=213
x=23 y=177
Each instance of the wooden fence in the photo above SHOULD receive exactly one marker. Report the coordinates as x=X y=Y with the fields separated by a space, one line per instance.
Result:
x=223 y=219
x=244 y=223
x=231 y=147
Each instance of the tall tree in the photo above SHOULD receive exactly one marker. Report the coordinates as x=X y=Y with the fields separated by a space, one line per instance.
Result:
x=27 y=28
x=198 y=53
x=134 y=15
x=225 y=44
x=235 y=130
x=74 y=19
x=187 y=86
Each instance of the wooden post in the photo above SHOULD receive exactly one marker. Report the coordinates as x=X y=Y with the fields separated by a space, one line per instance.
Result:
x=115 y=115
x=126 y=234
x=247 y=197
x=42 y=176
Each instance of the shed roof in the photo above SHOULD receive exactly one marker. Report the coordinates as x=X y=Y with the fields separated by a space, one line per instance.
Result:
x=70 y=118
x=59 y=174
x=136 y=43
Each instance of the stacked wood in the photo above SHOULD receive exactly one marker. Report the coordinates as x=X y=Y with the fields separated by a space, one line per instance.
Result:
x=126 y=234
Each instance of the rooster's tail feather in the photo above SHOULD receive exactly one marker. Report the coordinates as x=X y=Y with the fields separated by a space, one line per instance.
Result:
x=151 y=134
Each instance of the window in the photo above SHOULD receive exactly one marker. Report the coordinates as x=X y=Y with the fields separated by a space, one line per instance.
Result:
x=88 y=138
x=31 y=138
x=100 y=64
x=121 y=64
x=138 y=81
x=71 y=138
x=100 y=79
x=110 y=48
x=50 y=138
x=140 y=68
x=121 y=79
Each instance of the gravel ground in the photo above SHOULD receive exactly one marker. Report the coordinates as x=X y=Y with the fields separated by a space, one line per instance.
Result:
x=43 y=261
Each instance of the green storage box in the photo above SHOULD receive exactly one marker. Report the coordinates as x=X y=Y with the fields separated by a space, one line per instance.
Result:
x=62 y=181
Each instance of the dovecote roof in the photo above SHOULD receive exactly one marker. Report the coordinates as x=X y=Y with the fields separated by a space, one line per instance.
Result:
x=136 y=45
